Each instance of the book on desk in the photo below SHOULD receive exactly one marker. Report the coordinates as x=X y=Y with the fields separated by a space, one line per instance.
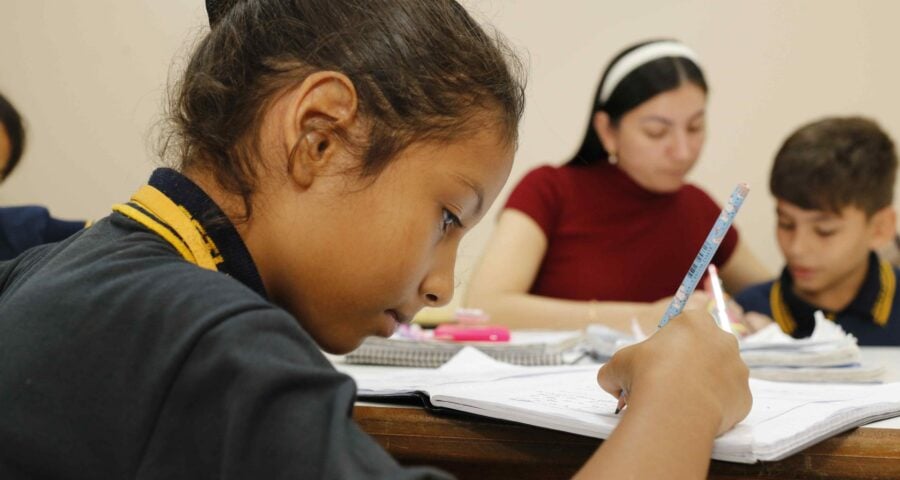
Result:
x=525 y=347
x=786 y=417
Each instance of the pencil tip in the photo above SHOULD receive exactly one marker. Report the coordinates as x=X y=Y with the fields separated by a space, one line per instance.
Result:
x=618 y=409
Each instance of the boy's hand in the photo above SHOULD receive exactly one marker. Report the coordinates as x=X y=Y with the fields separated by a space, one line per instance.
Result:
x=755 y=321
x=689 y=367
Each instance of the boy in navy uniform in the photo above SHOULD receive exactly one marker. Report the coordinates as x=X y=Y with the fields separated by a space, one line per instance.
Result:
x=833 y=181
x=26 y=226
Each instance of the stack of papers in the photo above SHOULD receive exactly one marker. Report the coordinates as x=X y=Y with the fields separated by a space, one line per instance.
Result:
x=785 y=418
x=828 y=355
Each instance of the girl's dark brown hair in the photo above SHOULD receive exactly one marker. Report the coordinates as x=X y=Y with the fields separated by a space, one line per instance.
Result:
x=422 y=69
x=640 y=85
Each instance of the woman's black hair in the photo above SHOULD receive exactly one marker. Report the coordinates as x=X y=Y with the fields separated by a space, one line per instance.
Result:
x=640 y=85
x=422 y=69
x=11 y=122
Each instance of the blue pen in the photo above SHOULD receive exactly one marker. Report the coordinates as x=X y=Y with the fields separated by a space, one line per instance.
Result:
x=704 y=256
x=710 y=245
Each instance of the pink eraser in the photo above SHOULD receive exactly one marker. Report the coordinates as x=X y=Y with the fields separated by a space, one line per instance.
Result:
x=472 y=333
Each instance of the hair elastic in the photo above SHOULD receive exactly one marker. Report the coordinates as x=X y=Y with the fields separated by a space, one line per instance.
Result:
x=641 y=56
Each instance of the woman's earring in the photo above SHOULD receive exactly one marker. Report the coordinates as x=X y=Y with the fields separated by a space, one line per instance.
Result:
x=613 y=159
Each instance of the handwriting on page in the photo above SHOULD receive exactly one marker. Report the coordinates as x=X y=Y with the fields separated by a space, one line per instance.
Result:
x=571 y=391
x=595 y=402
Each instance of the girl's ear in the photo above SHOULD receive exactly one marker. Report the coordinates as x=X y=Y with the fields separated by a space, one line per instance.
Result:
x=321 y=114
x=606 y=131
x=882 y=227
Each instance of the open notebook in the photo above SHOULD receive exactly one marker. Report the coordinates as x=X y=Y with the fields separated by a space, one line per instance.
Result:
x=786 y=417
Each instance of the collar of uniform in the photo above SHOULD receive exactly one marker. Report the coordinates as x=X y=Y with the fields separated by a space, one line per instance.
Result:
x=237 y=260
x=876 y=289
x=863 y=305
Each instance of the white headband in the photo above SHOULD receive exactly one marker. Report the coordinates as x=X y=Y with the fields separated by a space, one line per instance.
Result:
x=640 y=56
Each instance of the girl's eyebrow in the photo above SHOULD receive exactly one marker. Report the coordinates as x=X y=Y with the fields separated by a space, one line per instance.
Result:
x=667 y=121
x=658 y=119
x=475 y=187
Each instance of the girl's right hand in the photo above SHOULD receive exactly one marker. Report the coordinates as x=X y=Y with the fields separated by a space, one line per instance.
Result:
x=690 y=366
x=649 y=319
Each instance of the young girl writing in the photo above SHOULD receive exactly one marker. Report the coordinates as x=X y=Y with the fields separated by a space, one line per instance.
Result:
x=330 y=156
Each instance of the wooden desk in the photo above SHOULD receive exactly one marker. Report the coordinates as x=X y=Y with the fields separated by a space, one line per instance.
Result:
x=482 y=448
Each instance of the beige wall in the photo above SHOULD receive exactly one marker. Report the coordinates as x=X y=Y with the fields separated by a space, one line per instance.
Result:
x=90 y=77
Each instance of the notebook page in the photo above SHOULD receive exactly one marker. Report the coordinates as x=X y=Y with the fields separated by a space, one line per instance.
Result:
x=785 y=417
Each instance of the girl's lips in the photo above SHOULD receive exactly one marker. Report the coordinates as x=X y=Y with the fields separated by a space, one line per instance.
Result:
x=389 y=325
x=398 y=316
x=392 y=320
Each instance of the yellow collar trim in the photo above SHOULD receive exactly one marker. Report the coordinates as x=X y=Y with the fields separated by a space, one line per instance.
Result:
x=191 y=241
x=780 y=313
x=881 y=311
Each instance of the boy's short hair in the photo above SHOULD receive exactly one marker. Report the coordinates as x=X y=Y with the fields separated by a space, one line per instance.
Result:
x=834 y=163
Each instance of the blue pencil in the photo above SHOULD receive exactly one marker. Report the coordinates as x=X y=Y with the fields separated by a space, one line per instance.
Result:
x=707 y=250
x=704 y=256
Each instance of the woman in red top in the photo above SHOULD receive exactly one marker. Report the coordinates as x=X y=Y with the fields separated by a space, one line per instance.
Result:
x=608 y=236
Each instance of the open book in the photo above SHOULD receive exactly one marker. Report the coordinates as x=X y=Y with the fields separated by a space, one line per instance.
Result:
x=786 y=417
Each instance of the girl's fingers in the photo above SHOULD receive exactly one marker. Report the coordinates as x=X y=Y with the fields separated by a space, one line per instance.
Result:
x=614 y=375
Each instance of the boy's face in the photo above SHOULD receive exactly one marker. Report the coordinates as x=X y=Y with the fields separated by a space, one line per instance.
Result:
x=825 y=251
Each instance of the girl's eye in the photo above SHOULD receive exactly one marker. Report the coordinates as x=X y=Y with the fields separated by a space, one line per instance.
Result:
x=825 y=233
x=449 y=220
x=655 y=133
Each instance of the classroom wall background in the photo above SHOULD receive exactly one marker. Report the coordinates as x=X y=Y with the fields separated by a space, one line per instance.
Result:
x=90 y=78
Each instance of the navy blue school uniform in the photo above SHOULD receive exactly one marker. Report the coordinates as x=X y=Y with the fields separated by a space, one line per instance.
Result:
x=145 y=347
x=872 y=316
x=24 y=227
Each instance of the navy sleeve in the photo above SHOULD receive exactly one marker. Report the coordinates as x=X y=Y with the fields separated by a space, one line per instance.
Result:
x=256 y=399
x=756 y=298
x=24 y=227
